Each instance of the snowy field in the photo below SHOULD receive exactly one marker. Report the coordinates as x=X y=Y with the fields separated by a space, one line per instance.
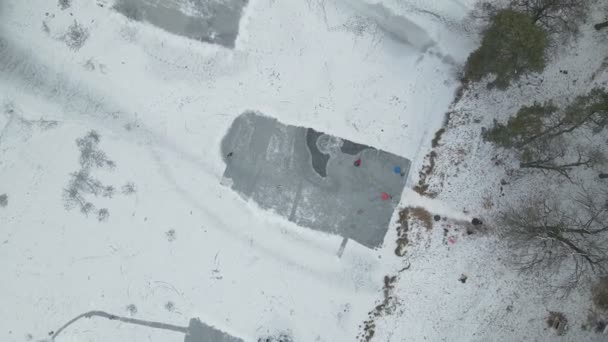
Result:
x=171 y=242
x=161 y=104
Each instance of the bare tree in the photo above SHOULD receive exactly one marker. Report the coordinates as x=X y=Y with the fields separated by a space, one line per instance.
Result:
x=551 y=237
x=557 y=155
x=72 y=198
x=90 y=154
x=561 y=17
x=81 y=182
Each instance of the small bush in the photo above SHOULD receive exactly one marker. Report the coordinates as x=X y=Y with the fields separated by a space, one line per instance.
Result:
x=3 y=200
x=64 y=4
x=128 y=189
x=108 y=191
x=90 y=154
x=81 y=182
x=103 y=215
x=422 y=215
x=280 y=337
x=437 y=138
x=557 y=321
x=170 y=235
x=131 y=309
x=511 y=46
x=76 y=36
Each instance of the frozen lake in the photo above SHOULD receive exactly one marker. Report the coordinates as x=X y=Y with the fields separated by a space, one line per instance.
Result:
x=212 y=21
x=314 y=179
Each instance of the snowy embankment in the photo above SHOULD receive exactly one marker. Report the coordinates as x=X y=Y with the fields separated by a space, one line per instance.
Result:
x=182 y=245
x=462 y=287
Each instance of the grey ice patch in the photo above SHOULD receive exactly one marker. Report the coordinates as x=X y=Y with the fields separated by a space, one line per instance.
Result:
x=201 y=332
x=310 y=178
x=212 y=21
x=397 y=27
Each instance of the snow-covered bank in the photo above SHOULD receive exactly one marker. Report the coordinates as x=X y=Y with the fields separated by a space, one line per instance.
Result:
x=462 y=287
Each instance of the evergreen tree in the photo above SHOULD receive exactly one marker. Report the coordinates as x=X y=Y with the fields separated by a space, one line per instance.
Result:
x=511 y=46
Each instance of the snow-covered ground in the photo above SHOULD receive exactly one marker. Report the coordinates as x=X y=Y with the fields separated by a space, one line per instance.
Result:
x=161 y=105
x=183 y=245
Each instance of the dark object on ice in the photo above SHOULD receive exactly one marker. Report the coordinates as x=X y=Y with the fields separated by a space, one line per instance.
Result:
x=603 y=175
x=476 y=222
x=601 y=25
x=463 y=278
x=437 y=217
x=357 y=162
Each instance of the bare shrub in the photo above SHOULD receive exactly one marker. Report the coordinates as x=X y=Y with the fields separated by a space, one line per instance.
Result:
x=278 y=337
x=422 y=215
x=170 y=235
x=128 y=189
x=72 y=198
x=90 y=154
x=131 y=309
x=402 y=232
x=103 y=215
x=108 y=191
x=76 y=36
x=64 y=4
x=386 y=307
x=82 y=183
x=437 y=137
x=560 y=236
